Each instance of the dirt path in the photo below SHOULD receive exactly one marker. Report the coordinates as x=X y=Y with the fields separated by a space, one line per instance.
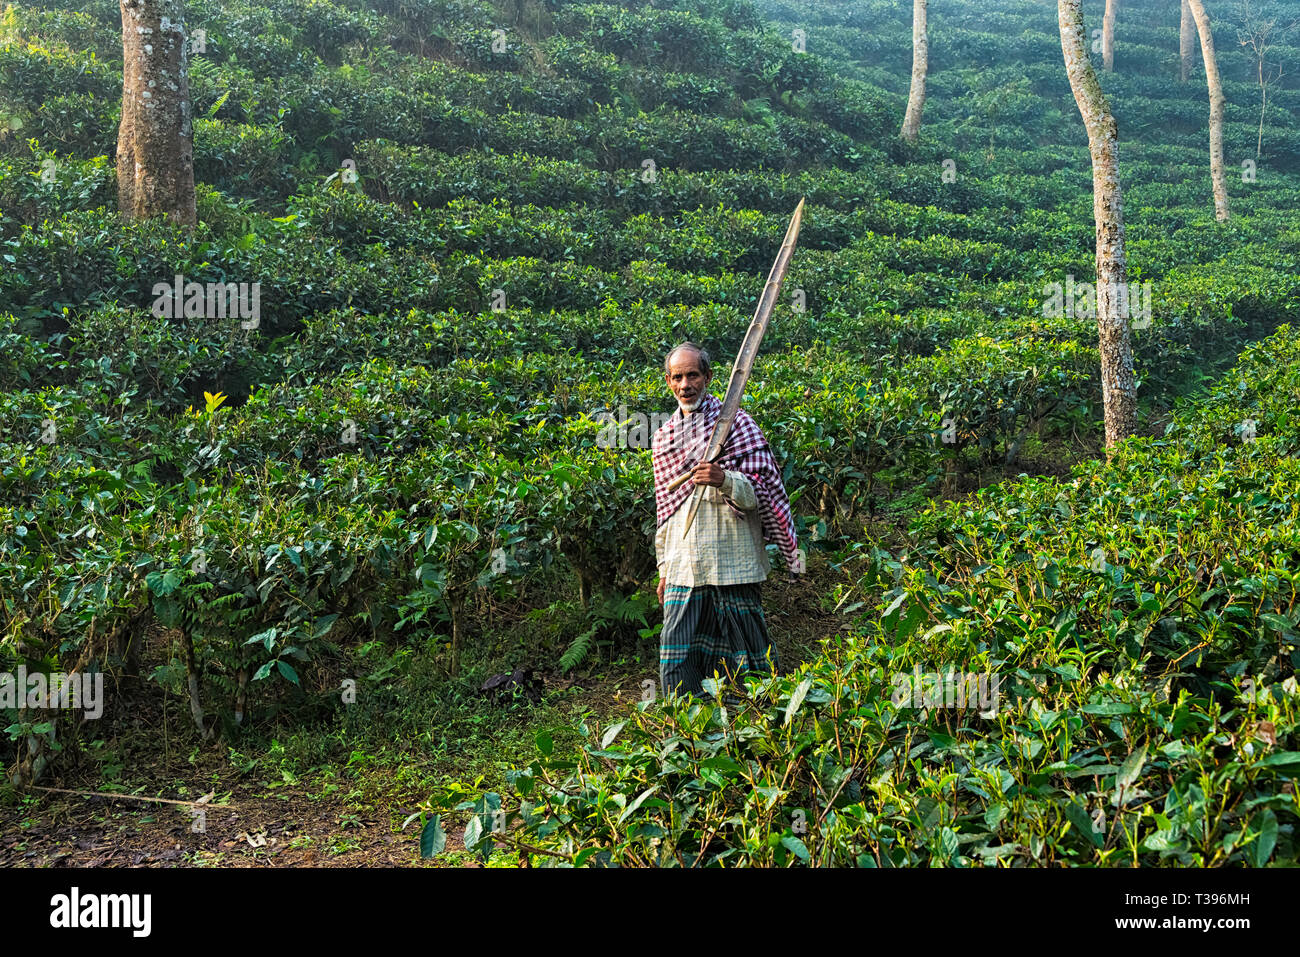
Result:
x=291 y=828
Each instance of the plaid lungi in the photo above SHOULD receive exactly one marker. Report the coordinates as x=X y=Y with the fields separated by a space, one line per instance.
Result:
x=710 y=628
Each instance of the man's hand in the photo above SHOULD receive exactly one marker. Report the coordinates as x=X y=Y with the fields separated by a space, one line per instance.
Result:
x=706 y=473
x=661 y=591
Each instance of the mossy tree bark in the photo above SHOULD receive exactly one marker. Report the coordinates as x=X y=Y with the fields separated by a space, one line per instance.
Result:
x=155 y=141
x=1108 y=36
x=920 y=66
x=1217 y=178
x=1186 y=41
x=1118 y=390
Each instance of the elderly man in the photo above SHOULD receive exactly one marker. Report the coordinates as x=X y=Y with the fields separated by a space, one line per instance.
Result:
x=710 y=580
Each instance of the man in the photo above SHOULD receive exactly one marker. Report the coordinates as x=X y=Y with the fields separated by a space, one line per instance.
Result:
x=710 y=581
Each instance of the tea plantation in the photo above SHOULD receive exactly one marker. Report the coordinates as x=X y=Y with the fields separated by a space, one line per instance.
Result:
x=296 y=538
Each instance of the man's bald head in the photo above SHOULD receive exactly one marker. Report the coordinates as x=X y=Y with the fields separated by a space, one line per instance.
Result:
x=706 y=368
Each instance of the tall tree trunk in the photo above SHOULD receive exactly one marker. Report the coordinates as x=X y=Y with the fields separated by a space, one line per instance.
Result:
x=1108 y=36
x=155 y=143
x=206 y=731
x=456 y=603
x=1118 y=391
x=1263 y=103
x=1216 y=109
x=920 y=66
x=1186 y=41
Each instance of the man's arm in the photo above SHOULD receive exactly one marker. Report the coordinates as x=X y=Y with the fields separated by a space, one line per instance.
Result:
x=661 y=558
x=661 y=563
x=739 y=490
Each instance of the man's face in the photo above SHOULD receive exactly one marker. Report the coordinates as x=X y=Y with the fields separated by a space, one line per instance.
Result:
x=686 y=380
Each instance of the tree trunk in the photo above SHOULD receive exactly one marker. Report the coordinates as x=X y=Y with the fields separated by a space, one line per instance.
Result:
x=920 y=65
x=206 y=732
x=456 y=605
x=155 y=143
x=951 y=475
x=241 y=694
x=1216 y=109
x=1263 y=103
x=1108 y=36
x=39 y=748
x=1119 y=394
x=1187 y=40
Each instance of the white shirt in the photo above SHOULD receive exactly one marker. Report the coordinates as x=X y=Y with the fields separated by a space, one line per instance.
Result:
x=722 y=548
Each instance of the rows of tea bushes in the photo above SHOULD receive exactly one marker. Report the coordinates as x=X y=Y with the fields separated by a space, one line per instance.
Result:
x=911 y=201
x=341 y=244
x=1140 y=619
x=340 y=248
x=367 y=88
x=179 y=514
x=253 y=530
x=414 y=426
x=1000 y=69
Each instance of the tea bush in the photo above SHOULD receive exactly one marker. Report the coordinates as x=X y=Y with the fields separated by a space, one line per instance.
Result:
x=1142 y=632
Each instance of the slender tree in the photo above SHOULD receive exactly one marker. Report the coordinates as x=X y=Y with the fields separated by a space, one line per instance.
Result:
x=1108 y=36
x=1261 y=29
x=920 y=65
x=1186 y=40
x=155 y=142
x=1216 y=109
x=1118 y=390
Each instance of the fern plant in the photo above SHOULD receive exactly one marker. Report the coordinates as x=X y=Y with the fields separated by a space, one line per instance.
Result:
x=609 y=615
x=579 y=648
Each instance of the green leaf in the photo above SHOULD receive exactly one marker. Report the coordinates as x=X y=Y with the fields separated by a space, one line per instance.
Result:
x=722 y=762
x=1107 y=708
x=610 y=734
x=473 y=833
x=637 y=803
x=796 y=699
x=1131 y=768
x=265 y=637
x=907 y=625
x=948 y=844
x=1078 y=816
x=263 y=671
x=892 y=609
x=163 y=583
x=1163 y=840
x=323 y=625
x=798 y=848
x=545 y=743
x=1276 y=622
x=1262 y=849
x=286 y=669
x=1282 y=759
x=433 y=840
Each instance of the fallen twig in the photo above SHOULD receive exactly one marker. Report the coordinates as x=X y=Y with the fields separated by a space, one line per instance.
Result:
x=201 y=802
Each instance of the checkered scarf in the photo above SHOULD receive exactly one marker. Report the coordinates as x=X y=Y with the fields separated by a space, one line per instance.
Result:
x=682 y=441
